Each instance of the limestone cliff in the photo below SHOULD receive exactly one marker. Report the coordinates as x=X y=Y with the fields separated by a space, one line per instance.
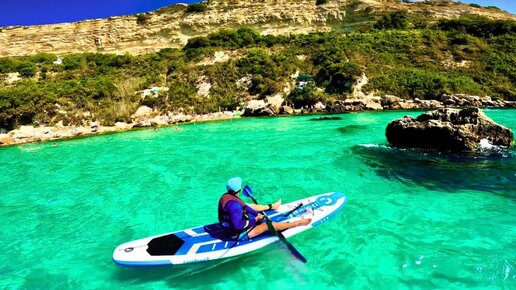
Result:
x=172 y=26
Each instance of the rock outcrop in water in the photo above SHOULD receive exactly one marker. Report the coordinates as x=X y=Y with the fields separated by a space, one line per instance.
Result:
x=448 y=130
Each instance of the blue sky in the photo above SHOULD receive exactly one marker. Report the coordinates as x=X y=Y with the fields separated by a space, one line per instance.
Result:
x=507 y=5
x=29 y=12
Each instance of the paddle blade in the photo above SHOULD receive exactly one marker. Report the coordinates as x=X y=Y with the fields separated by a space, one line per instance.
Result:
x=293 y=250
x=248 y=192
x=282 y=238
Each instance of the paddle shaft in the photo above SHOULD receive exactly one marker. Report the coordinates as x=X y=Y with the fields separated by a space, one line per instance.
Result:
x=274 y=232
x=296 y=208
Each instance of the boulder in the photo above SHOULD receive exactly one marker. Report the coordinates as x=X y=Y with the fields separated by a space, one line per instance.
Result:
x=160 y=120
x=430 y=104
x=508 y=104
x=319 y=107
x=464 y=100
x=5 y=139
x=122 y=125
x=448 y=130
x=142 y=112
x=373 y=103
x=287 y=110
x=255 y=108
x=348 y=105
x=268 y=107
x=179 y=118
x=274 y=102
x=389 y=100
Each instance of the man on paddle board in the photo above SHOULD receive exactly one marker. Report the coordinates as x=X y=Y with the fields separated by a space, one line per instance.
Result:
x=244 y=221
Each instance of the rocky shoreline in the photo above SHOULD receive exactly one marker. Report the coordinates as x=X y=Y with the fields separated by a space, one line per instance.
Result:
x=270 y=106
x=274 y=105
x=31 y=134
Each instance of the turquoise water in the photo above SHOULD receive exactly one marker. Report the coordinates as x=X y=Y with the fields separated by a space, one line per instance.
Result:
x=413 y=219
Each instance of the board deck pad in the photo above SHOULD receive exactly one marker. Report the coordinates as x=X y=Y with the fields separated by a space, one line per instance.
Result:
x=212 y=242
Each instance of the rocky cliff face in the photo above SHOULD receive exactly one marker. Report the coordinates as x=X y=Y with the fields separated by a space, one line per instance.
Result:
x=173 y=26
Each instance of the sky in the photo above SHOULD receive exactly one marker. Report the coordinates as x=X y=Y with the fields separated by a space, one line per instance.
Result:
x=32 y=12
x=507 y=5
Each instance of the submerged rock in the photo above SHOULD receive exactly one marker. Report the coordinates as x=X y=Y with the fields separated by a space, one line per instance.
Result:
x=326 y=118
x=448 y=130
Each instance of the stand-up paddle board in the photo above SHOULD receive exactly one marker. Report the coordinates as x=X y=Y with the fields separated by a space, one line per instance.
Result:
x=211 y=242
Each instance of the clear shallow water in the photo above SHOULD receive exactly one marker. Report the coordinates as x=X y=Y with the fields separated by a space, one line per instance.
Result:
x=413 y=219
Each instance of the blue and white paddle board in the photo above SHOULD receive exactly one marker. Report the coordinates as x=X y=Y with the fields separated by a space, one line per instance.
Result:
x=211 y=242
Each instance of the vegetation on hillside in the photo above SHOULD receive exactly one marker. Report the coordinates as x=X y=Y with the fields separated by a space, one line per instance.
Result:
x=400 y=57
x=196 y=7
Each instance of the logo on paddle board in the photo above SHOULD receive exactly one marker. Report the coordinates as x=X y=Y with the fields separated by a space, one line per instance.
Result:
x=326 y=200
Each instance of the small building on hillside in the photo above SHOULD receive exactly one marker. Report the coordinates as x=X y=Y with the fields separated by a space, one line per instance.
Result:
x=303 y=80
x=152 y=92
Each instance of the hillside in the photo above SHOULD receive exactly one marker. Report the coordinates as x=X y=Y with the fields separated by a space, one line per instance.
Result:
x=379 y=59
x=171 y=27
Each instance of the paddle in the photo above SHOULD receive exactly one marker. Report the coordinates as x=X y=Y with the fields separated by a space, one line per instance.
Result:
x=249 y=193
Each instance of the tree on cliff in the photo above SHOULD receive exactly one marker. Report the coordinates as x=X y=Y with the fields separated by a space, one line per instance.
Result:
x=395 y=20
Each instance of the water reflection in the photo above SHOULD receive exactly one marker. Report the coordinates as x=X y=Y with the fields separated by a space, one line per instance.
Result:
x=492 y=171
x=349 y=129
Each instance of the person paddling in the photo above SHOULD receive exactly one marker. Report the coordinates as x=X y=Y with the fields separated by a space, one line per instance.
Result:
x=244 y=221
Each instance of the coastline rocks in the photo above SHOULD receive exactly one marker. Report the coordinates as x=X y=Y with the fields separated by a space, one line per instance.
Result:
x=508 y=104
x=388 y=101
x=123 y=125
x=287 y=110
x=319 y=107
x=29 y=134
x=463 y=100
x=429 y=104
x=257 y=108
x=142 y=112
x=355 y=105
x=373 y=103
x=274 y=102
x=448 y=130
x=269 y=107
x=5 y=139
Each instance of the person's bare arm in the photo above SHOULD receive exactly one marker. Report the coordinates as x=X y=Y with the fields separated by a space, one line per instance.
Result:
x=261 y=207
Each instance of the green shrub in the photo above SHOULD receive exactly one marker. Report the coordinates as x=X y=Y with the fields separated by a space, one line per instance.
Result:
x=395 y=20
x=196 y=7
x=416 y=83
x=321 y=2
x=26 y=69
x=7 y=65
x=142 y=19
x=248 y=36
x=338 y=78
x=479 y=26
x=257 y=61
x=307 y=96
x=493 y=8
x=73 y=62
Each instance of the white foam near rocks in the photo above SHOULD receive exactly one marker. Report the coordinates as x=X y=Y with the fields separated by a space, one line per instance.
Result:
x=485 y=147
x=484 y=144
